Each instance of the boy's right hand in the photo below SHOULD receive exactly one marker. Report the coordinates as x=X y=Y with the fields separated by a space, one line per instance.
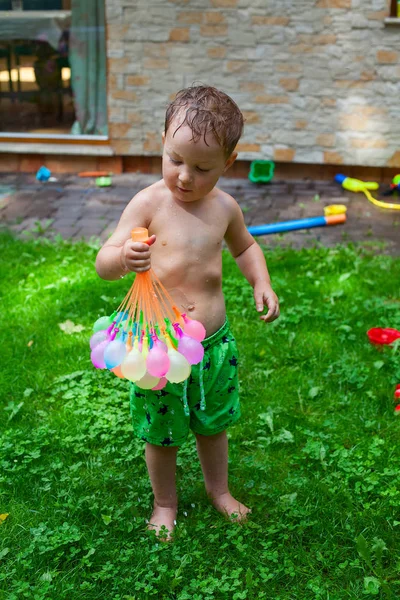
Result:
x=135 y=256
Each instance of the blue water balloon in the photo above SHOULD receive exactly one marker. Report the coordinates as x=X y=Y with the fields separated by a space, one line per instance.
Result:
x=114 y=354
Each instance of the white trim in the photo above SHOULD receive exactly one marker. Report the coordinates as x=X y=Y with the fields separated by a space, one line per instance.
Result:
x=54 y=136
x=38 y=148
x=392 y=21
x=34 y=14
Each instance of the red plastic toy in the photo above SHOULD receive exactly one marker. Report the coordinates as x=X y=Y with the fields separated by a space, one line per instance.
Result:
x=380 y=335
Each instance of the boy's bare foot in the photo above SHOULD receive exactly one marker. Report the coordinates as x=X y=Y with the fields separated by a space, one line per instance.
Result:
x=227 y=505
x=163 y=521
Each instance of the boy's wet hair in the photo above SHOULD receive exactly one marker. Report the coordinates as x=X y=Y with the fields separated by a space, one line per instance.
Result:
x=207 y=110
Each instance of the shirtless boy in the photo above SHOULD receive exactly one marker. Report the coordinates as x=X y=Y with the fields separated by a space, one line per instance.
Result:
x=188 y=219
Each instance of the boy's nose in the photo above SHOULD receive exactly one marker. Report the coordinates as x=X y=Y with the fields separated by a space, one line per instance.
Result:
x=185 y=176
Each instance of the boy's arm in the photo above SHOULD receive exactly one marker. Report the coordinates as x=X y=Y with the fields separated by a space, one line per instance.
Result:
x=120 y=254
x=250 y=260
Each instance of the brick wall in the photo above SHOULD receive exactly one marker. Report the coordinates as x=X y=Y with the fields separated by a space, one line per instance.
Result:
x=317 y=80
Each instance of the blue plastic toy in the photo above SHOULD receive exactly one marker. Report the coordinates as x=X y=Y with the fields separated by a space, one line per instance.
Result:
x=43 y=174
x=297 y=224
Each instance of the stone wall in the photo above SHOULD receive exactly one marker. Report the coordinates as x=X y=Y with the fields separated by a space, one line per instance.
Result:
x=317 y=80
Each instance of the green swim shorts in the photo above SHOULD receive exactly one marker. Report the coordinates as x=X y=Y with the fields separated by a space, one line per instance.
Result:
x=207 y=403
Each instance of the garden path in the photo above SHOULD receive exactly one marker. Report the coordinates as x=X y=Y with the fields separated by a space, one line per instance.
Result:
x=75 y=208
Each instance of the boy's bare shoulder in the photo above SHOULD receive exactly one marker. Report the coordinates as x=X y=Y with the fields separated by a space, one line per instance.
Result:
x=227 y=202
x=138 y=212
x=146 y=200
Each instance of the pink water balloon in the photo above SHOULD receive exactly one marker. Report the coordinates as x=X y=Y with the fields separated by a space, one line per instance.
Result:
x=97 y=338
x=191 y=349
x=160 y=344
x=194 y=328
x=161 y=384
x=97 y=355
x=157 y=361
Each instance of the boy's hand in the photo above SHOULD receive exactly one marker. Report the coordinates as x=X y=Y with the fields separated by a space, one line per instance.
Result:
x=135 y=256
x=264 y=295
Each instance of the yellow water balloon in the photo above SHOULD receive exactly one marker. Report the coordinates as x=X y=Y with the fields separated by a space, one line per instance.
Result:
x=147 y=382
x=133 y=366
x=179 y=368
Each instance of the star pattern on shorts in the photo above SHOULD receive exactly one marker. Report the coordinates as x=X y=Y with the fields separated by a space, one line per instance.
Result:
x=166 y=441
x=162 y=393
x=207 y=366
x=163 y=409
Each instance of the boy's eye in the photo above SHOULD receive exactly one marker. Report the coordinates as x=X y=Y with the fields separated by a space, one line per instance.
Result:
x=203 y=170
x=176 y=162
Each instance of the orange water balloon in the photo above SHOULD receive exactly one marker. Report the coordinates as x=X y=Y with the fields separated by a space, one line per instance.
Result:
x=117 y=371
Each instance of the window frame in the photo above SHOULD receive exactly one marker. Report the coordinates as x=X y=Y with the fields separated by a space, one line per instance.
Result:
x=393 y=9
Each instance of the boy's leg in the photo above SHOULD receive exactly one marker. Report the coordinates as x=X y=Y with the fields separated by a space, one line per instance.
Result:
x=161 y=465
x=213 y=455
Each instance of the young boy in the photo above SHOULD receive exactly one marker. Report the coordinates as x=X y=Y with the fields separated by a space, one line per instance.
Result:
x=188 y=219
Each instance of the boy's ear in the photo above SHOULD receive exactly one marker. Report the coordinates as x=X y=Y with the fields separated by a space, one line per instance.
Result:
x=163 y=137
x=230 y=161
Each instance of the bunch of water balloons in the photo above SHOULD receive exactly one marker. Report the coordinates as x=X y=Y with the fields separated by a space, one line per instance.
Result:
x=147 y=356
x=147 y=340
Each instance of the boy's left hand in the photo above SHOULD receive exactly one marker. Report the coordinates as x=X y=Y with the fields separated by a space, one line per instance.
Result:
x=264 y=295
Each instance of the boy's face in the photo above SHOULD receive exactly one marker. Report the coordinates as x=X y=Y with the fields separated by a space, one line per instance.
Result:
x=192 y=169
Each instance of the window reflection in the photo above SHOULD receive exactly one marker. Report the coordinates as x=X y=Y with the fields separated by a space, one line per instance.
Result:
x=52 y=73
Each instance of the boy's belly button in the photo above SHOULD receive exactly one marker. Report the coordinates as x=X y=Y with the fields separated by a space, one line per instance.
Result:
x=163 y=243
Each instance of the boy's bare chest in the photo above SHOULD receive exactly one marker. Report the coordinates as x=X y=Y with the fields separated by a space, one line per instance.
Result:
x=189 y=231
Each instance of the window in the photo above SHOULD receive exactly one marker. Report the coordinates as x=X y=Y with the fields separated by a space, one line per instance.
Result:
x=52 y=73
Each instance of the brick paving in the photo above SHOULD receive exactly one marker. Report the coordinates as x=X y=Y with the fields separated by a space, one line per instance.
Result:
x=76 y=209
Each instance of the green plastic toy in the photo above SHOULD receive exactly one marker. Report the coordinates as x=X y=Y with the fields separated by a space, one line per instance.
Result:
x=103 y=181
x=261 y=171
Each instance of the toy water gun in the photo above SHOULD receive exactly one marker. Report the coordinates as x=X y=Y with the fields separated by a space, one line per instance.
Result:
x=356 y=185
x=331 y=219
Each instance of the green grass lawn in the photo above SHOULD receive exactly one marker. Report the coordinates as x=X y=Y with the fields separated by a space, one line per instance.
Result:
x=316 y=453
